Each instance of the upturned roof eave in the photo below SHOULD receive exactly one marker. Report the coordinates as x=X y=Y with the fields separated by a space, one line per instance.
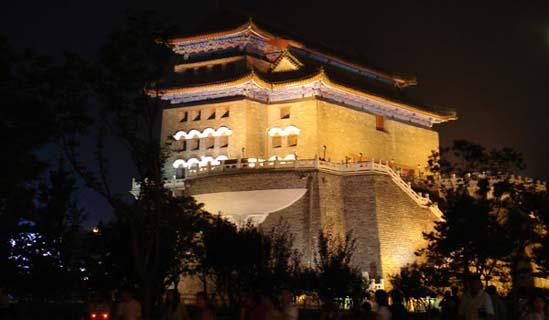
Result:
x=400 y=81
x=320 y=76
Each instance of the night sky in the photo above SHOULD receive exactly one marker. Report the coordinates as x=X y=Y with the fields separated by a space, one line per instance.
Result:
x=490 y=62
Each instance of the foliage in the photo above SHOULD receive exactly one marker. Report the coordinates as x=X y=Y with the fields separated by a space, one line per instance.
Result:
x=160 y=228
x=413 y=281
x=464 y=157
x=40 y=101
x=486 y=229
x=527 y=227
x=337 y=277
x=418 y=281
x=466 y=239
x=245 y=260
x=46 y=251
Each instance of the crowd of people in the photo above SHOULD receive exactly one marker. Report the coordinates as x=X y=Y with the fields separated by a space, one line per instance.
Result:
x=259 y=306
x=475 y=303
x=478 y=303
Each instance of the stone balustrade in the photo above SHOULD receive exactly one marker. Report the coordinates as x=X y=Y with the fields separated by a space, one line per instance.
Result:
x=471 y=181
x=238 y=166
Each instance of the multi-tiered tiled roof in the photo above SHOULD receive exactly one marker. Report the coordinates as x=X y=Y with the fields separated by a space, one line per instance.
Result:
x=250 y=62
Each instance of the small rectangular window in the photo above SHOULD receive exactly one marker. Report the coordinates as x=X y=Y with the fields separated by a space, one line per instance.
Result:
x=285 y=113
x=210 y=142
x=380 y=123
x=292 y=140
x=195 y=144
x=212 y=115
x=180 y=172
x=224 y=113
x=277 y=141
x=223 y=141
x=185 y=117
x=181 y=145
x=197 y=116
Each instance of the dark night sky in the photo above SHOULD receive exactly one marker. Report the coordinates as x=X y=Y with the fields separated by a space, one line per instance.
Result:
x=490 y=62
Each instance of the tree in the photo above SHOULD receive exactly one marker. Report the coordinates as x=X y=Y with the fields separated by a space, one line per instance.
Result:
x=525 y=229
x=540 y=202
x=48 y=248
x=245 y=260
x=160 y=227
x=39 y=98
x=337 y=277
x=464 y=157
x=489 y=220
x=417 y=281
x=466 y=239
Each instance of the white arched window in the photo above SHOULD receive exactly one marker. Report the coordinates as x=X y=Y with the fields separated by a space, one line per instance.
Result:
x=179 y=163
x=284 y=132
x=194 y=133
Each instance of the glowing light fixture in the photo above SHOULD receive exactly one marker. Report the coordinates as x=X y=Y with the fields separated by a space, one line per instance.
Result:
x=284 y=132
x=287 y=157
x=221 y=131
x=202 y=162
x=193 y=134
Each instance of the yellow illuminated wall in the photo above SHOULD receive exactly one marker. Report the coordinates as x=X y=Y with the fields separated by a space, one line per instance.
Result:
x=346 y=133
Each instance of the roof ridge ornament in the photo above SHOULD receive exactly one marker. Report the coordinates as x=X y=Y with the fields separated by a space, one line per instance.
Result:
x=403 y=83
x=292 y=62
x=322 y=73
x=269 y=91
x=264 y=40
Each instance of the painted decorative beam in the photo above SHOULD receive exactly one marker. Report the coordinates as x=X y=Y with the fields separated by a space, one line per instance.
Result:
x=320 y=86
x=249 y=37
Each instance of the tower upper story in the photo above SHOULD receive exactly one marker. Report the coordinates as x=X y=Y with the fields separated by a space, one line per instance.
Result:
x=246 y=93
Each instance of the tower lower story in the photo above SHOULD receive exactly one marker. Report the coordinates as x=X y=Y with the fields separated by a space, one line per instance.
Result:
x=385 y=215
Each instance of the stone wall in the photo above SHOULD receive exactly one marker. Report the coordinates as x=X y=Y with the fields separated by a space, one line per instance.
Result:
x=359 y=196
x=346 y=133
x=400 y=225
x=385 y=221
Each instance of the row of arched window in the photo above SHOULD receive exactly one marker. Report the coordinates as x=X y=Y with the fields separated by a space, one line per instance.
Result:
x=192 y=134
x=209 y=138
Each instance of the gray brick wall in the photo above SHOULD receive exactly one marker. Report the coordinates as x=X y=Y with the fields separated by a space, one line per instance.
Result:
x=386 y=223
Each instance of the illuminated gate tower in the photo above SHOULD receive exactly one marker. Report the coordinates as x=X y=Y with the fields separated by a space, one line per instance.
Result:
x=265 y=128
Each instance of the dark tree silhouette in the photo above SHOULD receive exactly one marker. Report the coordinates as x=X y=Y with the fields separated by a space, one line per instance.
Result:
x=160 y=227
x=245 y=260
x=486 y=229
x=41 y=101
x=47 y=251
x=337 y=277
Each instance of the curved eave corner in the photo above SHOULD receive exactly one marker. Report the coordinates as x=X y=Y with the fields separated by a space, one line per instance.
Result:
x=400 y=81
x=253 y=78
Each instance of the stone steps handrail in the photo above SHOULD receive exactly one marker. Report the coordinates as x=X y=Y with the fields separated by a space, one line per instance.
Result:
x=348 y=168
x=339 y=168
